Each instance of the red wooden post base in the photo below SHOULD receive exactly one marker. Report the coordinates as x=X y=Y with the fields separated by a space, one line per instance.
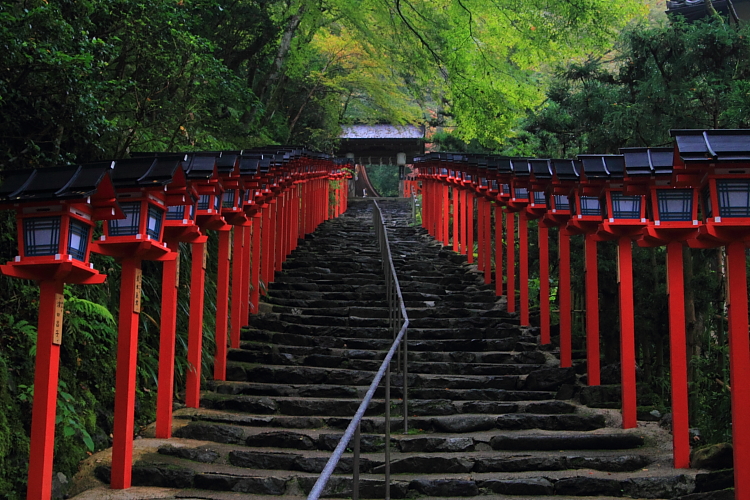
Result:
x=739 y=367
x=255 y=266
x=498 y=251
x=236 y=305
x=510 y=256
x=678 y=356
x=167 y=339
x=45 y=394
x=523 y=265
x=127 y=354
x=454 y=204
x=566 y=336
x=222 y=307
x=195 y=324
x=469 y=228
x=463 y=217
x=592 y=310
x=544 y=318
x=487 y=242
x=480 y=234
x=627 y=333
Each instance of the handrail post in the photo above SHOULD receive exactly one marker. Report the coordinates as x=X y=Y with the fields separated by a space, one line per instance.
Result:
x=355 y=464
x=388 y=433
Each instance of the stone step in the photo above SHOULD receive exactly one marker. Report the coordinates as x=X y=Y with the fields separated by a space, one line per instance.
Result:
x=267 y=355
x=261 y=349
x=342 y=391
x=171 y=471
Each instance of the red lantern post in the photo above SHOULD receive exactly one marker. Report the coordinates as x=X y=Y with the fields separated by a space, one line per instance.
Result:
x=723 y=157
x=624 y=221
x=585 y=219
x=140 y=184
x=55 y=212
x=541 y=177
x=565 y=176
x=673 y=220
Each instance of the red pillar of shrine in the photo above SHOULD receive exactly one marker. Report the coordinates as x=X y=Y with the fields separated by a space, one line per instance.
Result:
x=46 y=372
x=480 y=234
x=469 y=227
x=236 y=304
x=739 y=365
x=523 y=266
x=488 y=242
x=498 y=251
x=195 y=324
x=592 y=309
x=510 y=256
x=463 y=215
x=627 y=333
x=167 y=340
x=246 y=272
x=456 y=211
x=446 y=217
x=678 y=356
x=127 y=351
x=566 y=336
x=255 y=264
x=544 y=313
x=222 y=305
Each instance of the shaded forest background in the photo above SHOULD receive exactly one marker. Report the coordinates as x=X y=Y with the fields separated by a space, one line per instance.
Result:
x=95 y=79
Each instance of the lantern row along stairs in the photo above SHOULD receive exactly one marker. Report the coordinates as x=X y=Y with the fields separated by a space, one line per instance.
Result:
x=696 y=193
x=484 y=417
x=266 y=198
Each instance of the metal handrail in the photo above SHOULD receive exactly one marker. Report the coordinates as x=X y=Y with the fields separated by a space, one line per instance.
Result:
x=397 y=315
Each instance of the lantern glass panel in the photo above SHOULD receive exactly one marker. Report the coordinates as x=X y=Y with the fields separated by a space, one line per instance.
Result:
x=204 y=202
x=590 y=206
x=41 y=235
x=675 y=204
x=176 y=212
x=734 y=197
x=129 y=225
x=562 y=202
x=78 y=239
x=483 y=182
x=522 y=193
x=539 y=198
x=626 y=207
x=227 y=199
x=217 y=202
x=506 y=189
x=494 y=185
x=467 y=177
x=154 y=222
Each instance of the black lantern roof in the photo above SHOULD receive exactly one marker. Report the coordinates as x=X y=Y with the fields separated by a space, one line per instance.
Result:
x=648 y=161
x=542 y=169
x=226 y=162
x=55 y=183
x=201 y=166
x=566 y=170
x=602 y=166
x=520 y=167
x=249 y=165
x=146 y=171
x=504 y=167
x=715 y=145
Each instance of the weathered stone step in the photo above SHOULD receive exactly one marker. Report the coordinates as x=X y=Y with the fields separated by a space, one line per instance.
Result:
x=169 y=471
x=259 y=351
x=335 y=337
x=418 y=455
x=344 y=391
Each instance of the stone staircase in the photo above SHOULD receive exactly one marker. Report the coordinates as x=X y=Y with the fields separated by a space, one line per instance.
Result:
x=484 y=418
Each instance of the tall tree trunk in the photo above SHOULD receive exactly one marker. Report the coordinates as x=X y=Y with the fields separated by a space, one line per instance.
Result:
x=285 y=45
